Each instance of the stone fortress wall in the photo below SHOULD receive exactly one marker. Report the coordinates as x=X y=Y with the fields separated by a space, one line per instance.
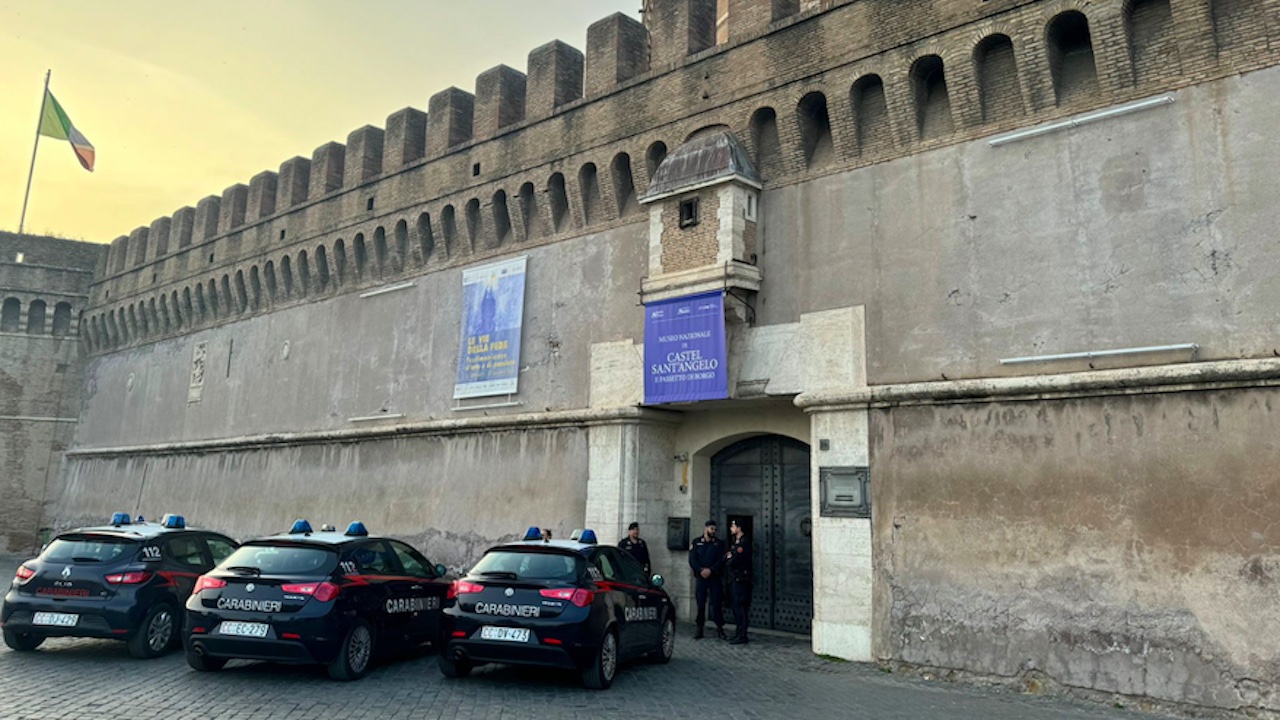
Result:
x=44 y=288
x=564 y=149
x=1098 y=524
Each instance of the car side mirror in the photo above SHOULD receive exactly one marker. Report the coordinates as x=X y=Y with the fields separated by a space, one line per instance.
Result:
x=441 y=570
x=657 y=581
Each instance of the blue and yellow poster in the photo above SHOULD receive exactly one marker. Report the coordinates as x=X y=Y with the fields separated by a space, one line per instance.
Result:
x=492 y=318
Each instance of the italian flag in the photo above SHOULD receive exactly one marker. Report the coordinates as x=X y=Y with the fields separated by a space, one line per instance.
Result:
x=55 y=124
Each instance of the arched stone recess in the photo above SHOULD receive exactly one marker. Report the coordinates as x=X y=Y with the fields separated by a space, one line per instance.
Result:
x=624 y=185
x=589 y=194
x=255 y=289
x=1072 y=66
x=426 y=240
x=932 y=99
x=999 y=87
x=304 y=274
x=242 y=293
x=401 y=247
x=61 y=319
x=766 y=144
x=449 y=230
x=231 y=306
x=501 y=233
x=339 y=263
x=381 y=261
x=474 y=224
x=36 y=310
x=10 y=315
x=653 y=157
x=530 y=220
x=323 y=276
x=814 y=123
x=558 y=198
x=269 y=276
x=872 y=127
x=360 y=256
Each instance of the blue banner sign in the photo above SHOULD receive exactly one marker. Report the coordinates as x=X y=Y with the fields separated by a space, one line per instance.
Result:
x=492 y=317
x=684 y=350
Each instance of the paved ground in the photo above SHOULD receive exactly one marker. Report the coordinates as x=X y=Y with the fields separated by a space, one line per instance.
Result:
x=770 y=678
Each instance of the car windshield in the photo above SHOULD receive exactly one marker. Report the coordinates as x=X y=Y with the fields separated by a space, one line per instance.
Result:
x=517 y=565
x=282 y=559
x=89 y=549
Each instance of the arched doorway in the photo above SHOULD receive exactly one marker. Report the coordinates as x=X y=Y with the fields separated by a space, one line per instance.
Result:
x=764 y=482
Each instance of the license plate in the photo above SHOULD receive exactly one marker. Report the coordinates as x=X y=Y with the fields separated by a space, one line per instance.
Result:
x=55 y=619
x=504 y=634
x=243 y=629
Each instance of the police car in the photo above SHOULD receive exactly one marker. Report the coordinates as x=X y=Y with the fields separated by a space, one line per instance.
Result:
x=126 y=581
x=328 y=597
x=568 y=604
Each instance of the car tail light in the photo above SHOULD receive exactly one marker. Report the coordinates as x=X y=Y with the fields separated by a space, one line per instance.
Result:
x=208 y=583
x=462 y=587
x=323 y=591
x=578 y=596
x=24 y=573
x=133 y=577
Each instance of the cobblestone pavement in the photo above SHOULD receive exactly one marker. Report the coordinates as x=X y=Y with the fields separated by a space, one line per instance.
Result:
x=769 y=678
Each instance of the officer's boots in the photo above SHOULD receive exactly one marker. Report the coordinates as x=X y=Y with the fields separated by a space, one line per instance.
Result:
x=697 y=634
x=720 y=632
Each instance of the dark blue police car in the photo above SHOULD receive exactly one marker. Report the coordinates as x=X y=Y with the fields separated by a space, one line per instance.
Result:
x=331 y=598
x=568 y=604
x=126 y=581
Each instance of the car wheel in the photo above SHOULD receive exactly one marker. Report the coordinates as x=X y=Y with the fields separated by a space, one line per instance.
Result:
x=453 y=668
x=356 y=655
x=599 y=676
x=204 y=663
x=155 y=634
x=22 y=642
x=667 y=646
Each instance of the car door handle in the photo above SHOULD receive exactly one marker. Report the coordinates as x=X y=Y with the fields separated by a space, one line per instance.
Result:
x=416 y=587
x=644 y=597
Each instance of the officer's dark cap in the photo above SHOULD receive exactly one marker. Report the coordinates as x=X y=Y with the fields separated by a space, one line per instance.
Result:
x=712 y=523
x=634 y=526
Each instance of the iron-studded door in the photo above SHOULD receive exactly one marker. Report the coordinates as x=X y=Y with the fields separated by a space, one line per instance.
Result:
x=764 y=481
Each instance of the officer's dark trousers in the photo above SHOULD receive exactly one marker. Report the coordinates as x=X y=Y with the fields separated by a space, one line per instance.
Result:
x=712 y=587
x=740 y=596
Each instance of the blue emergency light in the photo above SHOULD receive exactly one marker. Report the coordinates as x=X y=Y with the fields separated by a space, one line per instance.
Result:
x=533 y=533
x=300 y=527
x=357 y=529
x=588 y=537
x=120 y=519
x=174 y=522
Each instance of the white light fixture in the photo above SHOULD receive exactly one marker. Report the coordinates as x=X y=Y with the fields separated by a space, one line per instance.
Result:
x=389 y=289
x=1090 y=355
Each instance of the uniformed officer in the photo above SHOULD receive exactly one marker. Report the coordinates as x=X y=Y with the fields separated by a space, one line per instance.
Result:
x=635 y=547
x=738 y=561
x=707 y=557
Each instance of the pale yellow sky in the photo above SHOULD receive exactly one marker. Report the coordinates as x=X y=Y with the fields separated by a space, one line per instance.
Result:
x=182 y=99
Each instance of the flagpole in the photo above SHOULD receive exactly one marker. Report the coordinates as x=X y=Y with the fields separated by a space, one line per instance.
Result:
x=44 y=98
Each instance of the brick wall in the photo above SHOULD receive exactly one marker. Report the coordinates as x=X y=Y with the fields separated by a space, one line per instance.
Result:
x=690 y=247
x=855 y=60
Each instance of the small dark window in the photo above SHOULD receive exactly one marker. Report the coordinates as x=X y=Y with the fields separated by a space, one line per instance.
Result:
x=154 y=277
x=210 y=258
x=475 y=170
x=368 y=205
x=688 y=212
x=281 y=234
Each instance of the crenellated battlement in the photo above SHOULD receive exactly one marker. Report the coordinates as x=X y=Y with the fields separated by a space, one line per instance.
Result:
x=565 y=147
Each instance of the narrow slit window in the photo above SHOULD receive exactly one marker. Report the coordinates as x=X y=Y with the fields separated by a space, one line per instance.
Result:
x=688 y=212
